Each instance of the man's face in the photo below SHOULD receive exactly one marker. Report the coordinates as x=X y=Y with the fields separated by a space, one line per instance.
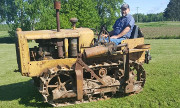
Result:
x=125 y=11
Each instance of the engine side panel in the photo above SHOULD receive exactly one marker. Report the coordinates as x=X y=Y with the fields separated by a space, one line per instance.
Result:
x=31 y=68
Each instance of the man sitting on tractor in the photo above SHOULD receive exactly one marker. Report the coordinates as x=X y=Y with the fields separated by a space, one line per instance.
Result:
x=123 y=26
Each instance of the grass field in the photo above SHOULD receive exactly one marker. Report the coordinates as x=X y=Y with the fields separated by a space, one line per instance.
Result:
x=160 y=30
x=3 y=34
x=4 y=27
x=4 y=37
x=162 y=88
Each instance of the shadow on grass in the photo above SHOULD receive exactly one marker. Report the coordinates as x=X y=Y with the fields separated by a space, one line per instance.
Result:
x=28 y=95
x=26 y=92
x=7 y=40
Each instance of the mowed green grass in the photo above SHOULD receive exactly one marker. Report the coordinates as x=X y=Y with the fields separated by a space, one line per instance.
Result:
x=162 y=88
x=3 y=34
x=4 y=37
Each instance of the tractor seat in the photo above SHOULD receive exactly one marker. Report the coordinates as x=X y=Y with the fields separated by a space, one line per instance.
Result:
x=134 y=33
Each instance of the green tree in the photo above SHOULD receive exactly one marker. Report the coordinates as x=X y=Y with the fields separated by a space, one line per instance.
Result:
x=36 y=14
x=84 y=10
x=2 y=7
x=44 y=14
x=109 y=11
x=172 y=12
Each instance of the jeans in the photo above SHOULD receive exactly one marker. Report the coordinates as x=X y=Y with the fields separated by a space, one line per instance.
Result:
x=116 y=41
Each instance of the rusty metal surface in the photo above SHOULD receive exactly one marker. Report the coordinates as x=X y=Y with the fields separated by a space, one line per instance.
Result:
x=79 y=77
x=74 y=21
x=102 y=72
x=95 y=51
x=128 y=80
x=73 y=47
x=55 y=85
x=58 y=20
x=57 y=6
x=121 y=45
x=137 y=78
x=126 y=62
x=93 y=75
x=37 y=67
x=60 y=49
x=79 y=80
x=90 y=87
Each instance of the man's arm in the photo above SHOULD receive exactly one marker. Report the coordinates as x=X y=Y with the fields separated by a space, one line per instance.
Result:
x=125 y=31
x=111 y=32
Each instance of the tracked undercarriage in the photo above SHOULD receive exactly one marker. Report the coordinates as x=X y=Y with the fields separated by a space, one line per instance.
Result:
x=100 y=81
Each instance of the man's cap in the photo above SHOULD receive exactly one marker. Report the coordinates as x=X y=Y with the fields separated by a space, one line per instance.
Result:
x=125 y=6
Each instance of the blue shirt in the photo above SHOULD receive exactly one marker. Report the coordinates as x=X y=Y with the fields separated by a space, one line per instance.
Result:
x=122 y=23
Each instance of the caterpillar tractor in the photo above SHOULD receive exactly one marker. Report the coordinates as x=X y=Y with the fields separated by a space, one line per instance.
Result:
x=71 y=66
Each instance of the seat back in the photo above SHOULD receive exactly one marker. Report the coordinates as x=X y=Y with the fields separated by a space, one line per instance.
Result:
x=134 y=33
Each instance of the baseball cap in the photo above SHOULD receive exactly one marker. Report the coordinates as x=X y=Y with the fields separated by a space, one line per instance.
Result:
x=125 y=6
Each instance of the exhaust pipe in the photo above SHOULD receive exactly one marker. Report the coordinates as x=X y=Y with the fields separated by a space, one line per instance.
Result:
x=57 y=6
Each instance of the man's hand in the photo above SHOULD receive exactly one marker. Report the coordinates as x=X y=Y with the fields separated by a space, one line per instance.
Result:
x=105 y=35
x=114 y=37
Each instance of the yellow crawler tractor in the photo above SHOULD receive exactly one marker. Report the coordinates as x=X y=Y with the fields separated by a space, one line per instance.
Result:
x=69 y=66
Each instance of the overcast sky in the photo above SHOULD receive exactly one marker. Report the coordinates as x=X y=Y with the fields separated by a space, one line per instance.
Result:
x=147 y=6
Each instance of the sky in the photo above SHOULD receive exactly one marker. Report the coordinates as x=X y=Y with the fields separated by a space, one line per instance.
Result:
x=147 y=6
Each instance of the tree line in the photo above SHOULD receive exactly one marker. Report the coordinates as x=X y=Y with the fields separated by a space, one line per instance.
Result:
x=171 y=13
x=149 y=17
